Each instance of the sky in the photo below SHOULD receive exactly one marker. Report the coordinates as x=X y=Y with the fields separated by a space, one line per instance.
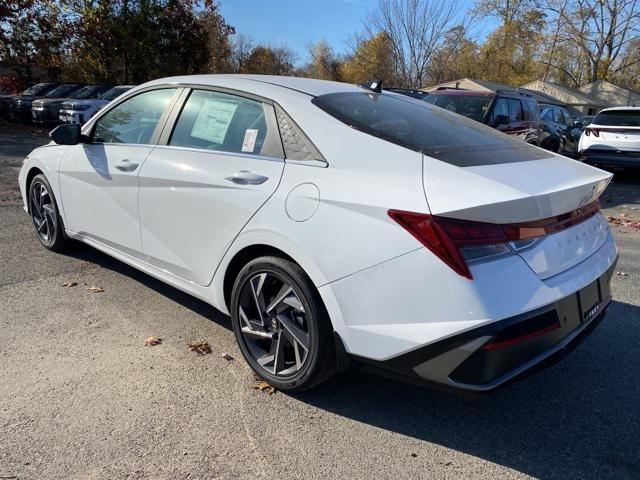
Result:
x=299 y=23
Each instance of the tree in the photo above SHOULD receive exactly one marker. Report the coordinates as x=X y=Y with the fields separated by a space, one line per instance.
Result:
x=371 y=59
x=457 y=57
x=33 y=38
x=599 y=31
x=241 y=48
x=324 y=64
x=268 y=60
x=415 y=29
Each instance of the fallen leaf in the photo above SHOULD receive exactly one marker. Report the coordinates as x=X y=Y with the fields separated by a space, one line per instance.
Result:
x=95 y=289
x=69 y=284
x=263 y=386
x=151 y=341
x=201 y=348
x=83 y=263
x=227 y=357
x=624 y=222
x=622 y=274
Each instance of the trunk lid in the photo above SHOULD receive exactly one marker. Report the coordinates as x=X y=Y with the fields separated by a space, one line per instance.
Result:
x=627 y=138
x=522 y=192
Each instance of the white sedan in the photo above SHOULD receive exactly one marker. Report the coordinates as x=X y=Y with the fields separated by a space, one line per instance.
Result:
x=337 y=224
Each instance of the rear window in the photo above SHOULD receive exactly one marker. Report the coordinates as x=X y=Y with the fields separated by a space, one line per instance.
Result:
x=427 y=129
x=474 y=107
x=618 y=118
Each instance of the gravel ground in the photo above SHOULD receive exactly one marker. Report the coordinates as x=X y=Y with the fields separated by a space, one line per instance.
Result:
x=83 y=398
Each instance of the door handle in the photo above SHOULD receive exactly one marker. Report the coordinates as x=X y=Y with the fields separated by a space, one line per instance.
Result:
x=246 y=177
x=126 y=166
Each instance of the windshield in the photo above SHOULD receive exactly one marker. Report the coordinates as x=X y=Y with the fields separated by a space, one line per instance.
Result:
x=88 y=92
x=113 y=93
x=62 y=91
x=618 y=118
x=38 y=89
x=470 y=106
x=425 y=128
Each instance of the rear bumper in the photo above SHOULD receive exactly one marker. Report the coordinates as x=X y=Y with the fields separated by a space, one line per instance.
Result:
x=610 y=158
x=484 y=358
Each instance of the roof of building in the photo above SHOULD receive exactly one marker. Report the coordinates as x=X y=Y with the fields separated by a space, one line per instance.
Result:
x=611 y=93
x=486 y=86
x=562 y=93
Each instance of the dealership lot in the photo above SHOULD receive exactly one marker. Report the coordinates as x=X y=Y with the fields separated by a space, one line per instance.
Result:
x=83 y=398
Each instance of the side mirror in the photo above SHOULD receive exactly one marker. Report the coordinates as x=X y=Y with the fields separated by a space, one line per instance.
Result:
x=66 y=134
x=501 y=120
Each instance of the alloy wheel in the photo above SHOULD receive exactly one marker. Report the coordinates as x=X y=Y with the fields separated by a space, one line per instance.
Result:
x=273 y=324
x=43 y=212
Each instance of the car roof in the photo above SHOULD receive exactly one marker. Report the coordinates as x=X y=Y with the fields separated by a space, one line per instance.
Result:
x=619 y=108
x=262 y=83
x=457 y=91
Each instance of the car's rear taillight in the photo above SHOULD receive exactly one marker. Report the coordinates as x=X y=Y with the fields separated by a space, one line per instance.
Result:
x=592 y=131
x=458 y=242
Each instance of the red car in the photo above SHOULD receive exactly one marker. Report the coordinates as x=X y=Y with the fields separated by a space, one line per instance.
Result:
x=512 y=112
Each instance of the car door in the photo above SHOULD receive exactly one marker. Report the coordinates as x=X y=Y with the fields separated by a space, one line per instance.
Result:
x=573 y=133
x=98 y=179
x=208 y=176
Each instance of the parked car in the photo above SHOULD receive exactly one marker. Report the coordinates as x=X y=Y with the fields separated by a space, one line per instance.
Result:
x=20 y=109
x=582 y=122
x=79 y=111
x=511 y=112
x=562 y=133
x=612 y=140
x=36 y=90
x=336 y=223
x=47 y=110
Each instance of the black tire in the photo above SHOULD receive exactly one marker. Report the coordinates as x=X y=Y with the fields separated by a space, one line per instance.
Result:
x=319 y=360
x=45 y=216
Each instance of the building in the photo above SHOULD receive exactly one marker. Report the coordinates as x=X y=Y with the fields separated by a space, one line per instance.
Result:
x=485 y=86
x=612 y=95
x=576 y=101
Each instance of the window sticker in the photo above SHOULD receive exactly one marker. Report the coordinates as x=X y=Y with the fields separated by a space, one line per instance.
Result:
x=213 y=120
x=249 y=143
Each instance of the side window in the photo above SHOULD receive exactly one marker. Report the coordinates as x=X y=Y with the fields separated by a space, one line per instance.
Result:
x=567 y=120
x=531 y=111
x=220 y=121
x=134 y=120
x=557 y=115
x=515 y=110
x=547 y=114
x=500 y=107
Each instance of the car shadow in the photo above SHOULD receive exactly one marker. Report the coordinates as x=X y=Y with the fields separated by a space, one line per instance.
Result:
x=577 y=419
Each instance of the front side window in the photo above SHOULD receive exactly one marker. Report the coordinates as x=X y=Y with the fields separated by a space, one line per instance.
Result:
x=134 y=120
x=425 y=128
x=501 y=107
x=531 y=111
x=515 y=110
x=470 y=106
x=220 y=121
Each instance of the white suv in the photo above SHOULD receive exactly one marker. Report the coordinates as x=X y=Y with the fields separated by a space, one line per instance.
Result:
x=612 y=139
x=79 y=111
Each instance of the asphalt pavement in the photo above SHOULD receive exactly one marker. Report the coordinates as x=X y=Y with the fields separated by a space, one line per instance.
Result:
x=81 y=397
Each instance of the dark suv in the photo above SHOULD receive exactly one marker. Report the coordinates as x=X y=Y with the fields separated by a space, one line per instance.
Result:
x=512 y=112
